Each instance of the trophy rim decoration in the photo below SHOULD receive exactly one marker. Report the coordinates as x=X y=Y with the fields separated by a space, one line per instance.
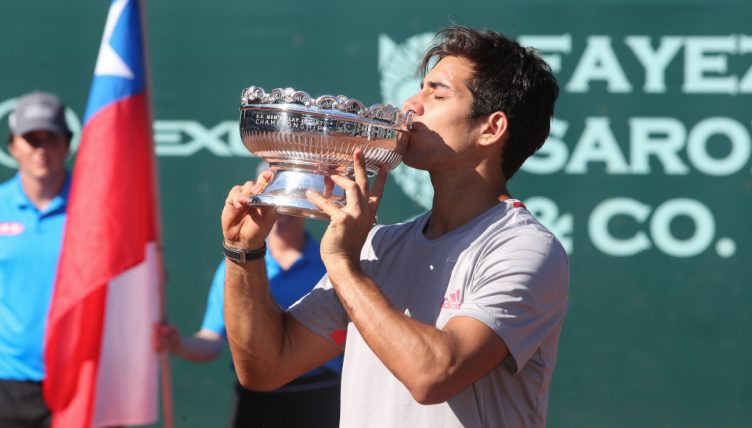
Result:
x=255 y=96
x=305 y=139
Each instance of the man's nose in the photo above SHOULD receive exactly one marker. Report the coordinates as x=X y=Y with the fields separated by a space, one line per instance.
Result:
x=413 y=104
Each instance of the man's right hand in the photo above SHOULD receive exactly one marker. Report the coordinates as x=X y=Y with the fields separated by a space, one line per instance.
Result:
x=245 y=226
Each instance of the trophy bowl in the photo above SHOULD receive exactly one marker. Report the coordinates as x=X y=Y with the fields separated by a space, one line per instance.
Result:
x=305 y=140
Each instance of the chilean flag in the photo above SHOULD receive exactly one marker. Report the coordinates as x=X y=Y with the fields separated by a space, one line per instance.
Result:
x=100 y=366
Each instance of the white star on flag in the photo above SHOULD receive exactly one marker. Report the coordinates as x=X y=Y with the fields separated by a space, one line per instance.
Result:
x=109 y=63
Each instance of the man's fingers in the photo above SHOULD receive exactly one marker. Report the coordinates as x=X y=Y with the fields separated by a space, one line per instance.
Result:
x=328 y=187
x=238 y=200
x=263 y=214
x=355 y=197
x=241 y=201
x=361 y=176
x=234 y=192
x=239 y=195
x=374 y=198
x=264 y=178
x=324 y=204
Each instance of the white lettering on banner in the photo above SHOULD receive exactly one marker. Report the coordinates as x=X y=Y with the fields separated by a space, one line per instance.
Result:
x=553 y=155
x=169 y=138
x=706 y=55
x=697 y=146
x=662 y=138
x=704 y=61
x=654 y=61
x=602 y=238
x=659 y=137
x=598 y=62
x=745 y=47
x=597 y=144
x=659 y=227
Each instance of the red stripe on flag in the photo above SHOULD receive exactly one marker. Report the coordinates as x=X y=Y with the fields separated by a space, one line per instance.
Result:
x=111 y=217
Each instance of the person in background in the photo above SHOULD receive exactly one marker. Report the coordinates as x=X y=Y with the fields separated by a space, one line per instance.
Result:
x=32 y=216
x=293 y=265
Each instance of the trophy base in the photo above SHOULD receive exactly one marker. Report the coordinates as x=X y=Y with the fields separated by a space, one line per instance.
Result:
x=287 y=192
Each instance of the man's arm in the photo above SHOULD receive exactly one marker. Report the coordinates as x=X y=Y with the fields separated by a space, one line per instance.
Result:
x=433 y=364
x=269 y=348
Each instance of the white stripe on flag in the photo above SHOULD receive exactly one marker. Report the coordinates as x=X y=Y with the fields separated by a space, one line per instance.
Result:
x=127 y=381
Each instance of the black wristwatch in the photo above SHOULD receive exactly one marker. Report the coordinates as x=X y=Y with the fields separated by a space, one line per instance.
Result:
x=242 y=255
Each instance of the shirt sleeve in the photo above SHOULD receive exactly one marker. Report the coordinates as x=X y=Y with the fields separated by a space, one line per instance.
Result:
x=322 y=312
x=519 y=289
x=214 y=315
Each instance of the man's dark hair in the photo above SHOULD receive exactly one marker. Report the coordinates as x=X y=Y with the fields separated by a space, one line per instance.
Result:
x=506 y=78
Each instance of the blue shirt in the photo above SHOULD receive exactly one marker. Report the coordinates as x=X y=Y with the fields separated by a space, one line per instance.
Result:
x=287 y=287
x=30 y=242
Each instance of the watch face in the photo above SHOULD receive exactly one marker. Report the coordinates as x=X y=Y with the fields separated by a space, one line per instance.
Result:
x=233 y=254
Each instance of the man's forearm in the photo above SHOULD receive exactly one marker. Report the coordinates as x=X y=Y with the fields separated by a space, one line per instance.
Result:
x=419 y=355
x=255 y=324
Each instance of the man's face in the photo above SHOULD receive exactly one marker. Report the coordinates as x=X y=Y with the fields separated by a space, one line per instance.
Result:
x=40 y=154
x=442 y=128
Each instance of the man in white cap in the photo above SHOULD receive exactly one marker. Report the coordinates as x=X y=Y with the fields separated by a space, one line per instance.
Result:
x=32 y=215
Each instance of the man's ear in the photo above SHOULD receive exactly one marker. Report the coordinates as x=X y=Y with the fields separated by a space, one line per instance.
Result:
x=494 y=128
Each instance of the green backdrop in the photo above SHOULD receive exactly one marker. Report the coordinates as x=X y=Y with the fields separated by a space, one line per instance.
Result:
x=646 y=178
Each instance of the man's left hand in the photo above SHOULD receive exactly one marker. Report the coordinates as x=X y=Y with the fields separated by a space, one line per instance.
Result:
x=349 y=225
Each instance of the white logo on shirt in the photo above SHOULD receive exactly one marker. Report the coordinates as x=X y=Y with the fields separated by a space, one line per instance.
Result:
x=11 y=228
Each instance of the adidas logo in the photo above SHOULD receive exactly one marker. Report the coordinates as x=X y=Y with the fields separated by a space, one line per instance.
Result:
x=452 y=301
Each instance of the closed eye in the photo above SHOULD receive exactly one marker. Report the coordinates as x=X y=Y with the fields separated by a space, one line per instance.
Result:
x=439 y=89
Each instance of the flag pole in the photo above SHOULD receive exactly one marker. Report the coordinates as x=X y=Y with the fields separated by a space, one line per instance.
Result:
x=164 y=356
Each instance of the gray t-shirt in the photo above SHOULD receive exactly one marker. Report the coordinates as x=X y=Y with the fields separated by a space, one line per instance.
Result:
x=504 y=269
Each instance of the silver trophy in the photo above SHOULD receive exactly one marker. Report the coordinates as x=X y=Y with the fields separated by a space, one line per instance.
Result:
x=305 y=140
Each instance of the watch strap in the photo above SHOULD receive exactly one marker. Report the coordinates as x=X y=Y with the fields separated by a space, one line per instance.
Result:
x=242 y=255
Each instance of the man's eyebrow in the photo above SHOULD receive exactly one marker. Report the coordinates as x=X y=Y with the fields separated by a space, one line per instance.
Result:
x=434 y=85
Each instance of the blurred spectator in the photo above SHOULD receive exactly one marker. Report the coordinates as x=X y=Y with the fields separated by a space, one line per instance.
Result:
x=293 y=265
x=32 y=215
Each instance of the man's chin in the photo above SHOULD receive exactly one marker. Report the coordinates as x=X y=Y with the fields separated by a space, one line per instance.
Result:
x=43 y=173
x=413 y=162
